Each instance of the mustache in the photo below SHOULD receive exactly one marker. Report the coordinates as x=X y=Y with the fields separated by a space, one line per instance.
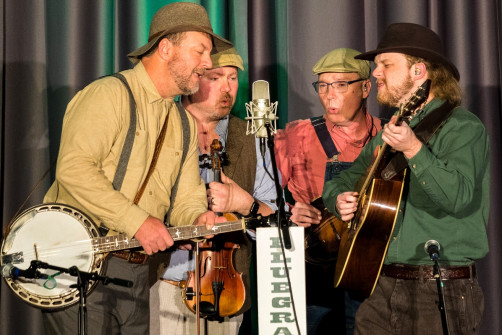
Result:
x=226 y=96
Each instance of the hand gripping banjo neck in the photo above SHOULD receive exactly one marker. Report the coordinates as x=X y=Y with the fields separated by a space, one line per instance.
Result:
x=121 y=241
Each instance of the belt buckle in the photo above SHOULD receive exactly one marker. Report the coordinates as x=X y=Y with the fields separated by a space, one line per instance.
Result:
x=333 y=159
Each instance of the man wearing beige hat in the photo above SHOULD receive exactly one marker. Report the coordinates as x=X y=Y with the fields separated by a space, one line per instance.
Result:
x=245 y=189
x=311 y=151
x=439 y=224
x=111 y=168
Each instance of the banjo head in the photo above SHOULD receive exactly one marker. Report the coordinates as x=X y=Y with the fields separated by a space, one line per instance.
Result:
x=56 y=234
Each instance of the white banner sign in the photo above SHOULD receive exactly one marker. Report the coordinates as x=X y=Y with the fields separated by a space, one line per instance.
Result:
x=275 y=307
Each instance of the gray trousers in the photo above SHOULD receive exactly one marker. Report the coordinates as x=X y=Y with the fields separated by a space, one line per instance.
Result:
x=411 y=307
x=111 y=309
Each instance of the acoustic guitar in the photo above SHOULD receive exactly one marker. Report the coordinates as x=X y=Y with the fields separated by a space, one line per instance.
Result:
x=364 y=245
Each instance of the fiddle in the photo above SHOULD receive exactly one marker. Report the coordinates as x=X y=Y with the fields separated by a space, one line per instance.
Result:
x=221 y=288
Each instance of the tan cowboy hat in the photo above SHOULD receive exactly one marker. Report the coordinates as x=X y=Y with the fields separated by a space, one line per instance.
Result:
x=414 y=40
x=175 y=18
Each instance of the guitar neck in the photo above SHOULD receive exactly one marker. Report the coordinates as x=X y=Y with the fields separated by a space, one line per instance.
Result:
x=371 y=172
x=404 y=111
x=121 y=241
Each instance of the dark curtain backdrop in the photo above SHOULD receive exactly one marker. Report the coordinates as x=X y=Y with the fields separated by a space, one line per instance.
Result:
x=50 y=49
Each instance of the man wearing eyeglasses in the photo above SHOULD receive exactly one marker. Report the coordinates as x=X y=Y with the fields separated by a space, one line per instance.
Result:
x=310 y=152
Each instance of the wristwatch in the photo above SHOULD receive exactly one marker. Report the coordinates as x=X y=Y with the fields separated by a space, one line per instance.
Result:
x=254 y=209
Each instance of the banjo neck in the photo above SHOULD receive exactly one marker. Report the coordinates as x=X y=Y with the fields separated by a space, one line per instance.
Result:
x=121 y=241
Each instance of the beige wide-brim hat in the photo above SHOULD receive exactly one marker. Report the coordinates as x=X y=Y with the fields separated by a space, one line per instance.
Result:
x=179 y=17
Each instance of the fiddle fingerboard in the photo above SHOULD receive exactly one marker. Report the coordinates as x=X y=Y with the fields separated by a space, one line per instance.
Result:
x=121 y=241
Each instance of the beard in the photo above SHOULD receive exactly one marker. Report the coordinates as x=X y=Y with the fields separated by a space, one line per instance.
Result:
x=178 y=71
x=394 y=94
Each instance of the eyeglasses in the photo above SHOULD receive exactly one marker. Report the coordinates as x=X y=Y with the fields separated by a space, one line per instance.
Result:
x=338 y=86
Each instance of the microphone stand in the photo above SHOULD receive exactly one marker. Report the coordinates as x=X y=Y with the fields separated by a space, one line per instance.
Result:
x=282 y=221
x=439 y=284
x=82 y=285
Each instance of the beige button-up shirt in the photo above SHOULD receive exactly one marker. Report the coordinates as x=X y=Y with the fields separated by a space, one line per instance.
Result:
x=94 y=130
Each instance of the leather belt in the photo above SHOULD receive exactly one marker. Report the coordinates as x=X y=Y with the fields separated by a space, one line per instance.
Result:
x=408 y=272
x=133 y=257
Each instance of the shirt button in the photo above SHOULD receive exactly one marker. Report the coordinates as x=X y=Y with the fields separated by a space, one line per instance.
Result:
x=137 y=133
x=150 y=193
x=394 y=237
x=176 y=154
x=414 y=166
x=423 y=182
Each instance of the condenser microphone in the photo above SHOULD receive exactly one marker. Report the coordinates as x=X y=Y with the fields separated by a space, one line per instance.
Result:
x=10 y=271
x=260 y=112
x=432 y=248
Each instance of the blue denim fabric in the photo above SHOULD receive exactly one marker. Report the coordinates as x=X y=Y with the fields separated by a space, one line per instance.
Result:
x=334 y=169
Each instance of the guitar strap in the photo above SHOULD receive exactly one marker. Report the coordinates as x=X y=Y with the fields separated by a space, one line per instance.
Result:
x=424 y=131
x=319 y=124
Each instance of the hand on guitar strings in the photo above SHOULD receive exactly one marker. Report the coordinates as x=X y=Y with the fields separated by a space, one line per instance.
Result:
x=401 y=138
x=304 y=215
x=346 y=205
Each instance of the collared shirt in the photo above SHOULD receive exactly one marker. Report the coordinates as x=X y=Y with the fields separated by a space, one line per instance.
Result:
x=301 y=158
x=181 y=261
x=94 y=131
x=446 y=197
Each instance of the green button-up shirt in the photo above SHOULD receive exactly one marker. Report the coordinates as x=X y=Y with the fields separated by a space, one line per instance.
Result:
x=94 y=131
x=447 y=193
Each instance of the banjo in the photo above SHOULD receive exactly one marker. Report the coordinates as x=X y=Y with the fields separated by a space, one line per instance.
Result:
x=63 y=236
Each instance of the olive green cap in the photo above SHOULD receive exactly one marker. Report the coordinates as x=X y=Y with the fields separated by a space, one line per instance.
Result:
x=228 y=57
x=342 y=60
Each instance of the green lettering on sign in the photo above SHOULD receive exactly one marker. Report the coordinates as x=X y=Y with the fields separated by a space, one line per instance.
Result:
x=280 y=287
x=281 y=317
x=283 y=331
x=280 y=302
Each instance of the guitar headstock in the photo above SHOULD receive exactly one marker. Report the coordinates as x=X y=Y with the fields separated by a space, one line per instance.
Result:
x=418 y=98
